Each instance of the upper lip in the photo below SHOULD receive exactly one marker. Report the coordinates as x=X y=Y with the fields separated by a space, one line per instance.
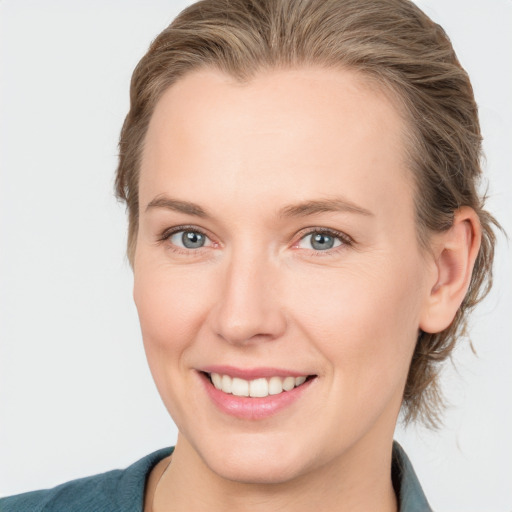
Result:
x=251 y=373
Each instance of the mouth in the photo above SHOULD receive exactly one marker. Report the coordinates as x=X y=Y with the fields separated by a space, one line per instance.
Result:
x=261 y=387
x=254 y=394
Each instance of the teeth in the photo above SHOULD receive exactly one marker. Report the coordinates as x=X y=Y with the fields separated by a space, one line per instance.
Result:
x=275 y=386
x=289 y=383
x=217 y=380
x=300 y=380
x=257 y=388
x=239 y=387
x=226 y=384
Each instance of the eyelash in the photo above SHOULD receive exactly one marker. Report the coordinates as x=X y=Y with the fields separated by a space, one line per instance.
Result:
x=166 y=235
x=342 y=237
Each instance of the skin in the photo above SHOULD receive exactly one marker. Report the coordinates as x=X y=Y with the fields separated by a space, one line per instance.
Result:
x=258 y=294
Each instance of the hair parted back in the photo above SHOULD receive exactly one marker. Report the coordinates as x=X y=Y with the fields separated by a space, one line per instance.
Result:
x=393 y=43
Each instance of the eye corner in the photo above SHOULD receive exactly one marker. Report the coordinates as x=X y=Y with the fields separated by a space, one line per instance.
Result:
x=179 y=246
x=338 y=240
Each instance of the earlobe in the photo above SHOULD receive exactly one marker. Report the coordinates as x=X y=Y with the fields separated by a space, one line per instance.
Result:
x=455 y=252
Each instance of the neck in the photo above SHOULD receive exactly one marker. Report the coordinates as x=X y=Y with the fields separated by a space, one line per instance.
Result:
x=359 y=482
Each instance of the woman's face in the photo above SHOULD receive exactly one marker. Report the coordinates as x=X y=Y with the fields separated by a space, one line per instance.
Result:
x=277 y=239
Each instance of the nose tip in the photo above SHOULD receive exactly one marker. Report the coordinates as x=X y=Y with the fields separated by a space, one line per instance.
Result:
x=238 y=332
x=249 y=308
x=242 y=328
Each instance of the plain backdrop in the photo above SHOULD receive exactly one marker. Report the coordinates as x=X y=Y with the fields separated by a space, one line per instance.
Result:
x=76 y=396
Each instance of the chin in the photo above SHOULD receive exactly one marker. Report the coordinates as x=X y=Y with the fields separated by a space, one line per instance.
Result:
x=261 y=463
x=267 y=473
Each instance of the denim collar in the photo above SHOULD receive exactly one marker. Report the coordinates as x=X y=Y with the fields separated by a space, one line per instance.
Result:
x=407 y=487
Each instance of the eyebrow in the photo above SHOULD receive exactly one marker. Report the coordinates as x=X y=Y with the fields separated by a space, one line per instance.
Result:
x=302 y=209
x=177 y=205
x=335 y=204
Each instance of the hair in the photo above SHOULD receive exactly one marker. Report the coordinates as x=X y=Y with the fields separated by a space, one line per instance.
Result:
x=396 y=46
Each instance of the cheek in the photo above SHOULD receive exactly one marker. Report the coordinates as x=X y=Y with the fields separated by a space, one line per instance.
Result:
x=363 y=321
x=171 y=305
x=168 y=298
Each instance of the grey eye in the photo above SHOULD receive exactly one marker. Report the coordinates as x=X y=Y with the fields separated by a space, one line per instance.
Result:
x=319 y=241
x=188 y=239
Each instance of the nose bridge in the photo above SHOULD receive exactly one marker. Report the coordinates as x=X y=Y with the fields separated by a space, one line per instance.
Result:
x=249 y=307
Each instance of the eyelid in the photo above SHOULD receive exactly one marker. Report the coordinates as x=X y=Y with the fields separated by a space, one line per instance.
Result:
x=169 y=232
x=345 y=240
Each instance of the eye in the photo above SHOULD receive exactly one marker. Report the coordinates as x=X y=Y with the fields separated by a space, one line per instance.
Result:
x=186 y=238
x=322 y=240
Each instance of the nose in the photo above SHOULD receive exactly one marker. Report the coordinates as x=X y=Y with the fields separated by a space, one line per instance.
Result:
x=249 y=308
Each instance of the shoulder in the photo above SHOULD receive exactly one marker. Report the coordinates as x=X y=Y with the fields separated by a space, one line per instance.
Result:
x=117 y=490
x=98 y=492
x=407 y=487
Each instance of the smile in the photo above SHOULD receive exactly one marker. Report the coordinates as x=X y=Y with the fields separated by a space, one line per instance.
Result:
x=254 y=394
x=257 y=388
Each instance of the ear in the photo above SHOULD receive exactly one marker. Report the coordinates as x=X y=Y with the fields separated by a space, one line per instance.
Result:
x=454 y=253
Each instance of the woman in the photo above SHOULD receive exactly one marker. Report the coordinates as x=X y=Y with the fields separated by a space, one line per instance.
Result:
x=307 y=239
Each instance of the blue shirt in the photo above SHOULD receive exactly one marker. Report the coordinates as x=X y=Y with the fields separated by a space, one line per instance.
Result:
x=123 y=490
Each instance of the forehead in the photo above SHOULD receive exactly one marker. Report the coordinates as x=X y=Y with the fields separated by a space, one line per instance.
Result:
x=306 y=131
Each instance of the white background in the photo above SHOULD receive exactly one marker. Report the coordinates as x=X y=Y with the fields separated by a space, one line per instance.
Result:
x=76 y=397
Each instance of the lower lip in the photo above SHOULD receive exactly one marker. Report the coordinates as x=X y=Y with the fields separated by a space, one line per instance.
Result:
x=253 y=408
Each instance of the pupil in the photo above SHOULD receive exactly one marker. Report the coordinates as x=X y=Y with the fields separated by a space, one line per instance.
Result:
x=192 y=240
x=322 y=242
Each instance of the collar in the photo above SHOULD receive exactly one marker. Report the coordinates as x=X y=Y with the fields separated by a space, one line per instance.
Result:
x=405 y=482
x=407 y=487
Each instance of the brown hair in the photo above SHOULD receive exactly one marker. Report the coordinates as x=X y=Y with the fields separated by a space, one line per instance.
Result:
x=393 y=43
